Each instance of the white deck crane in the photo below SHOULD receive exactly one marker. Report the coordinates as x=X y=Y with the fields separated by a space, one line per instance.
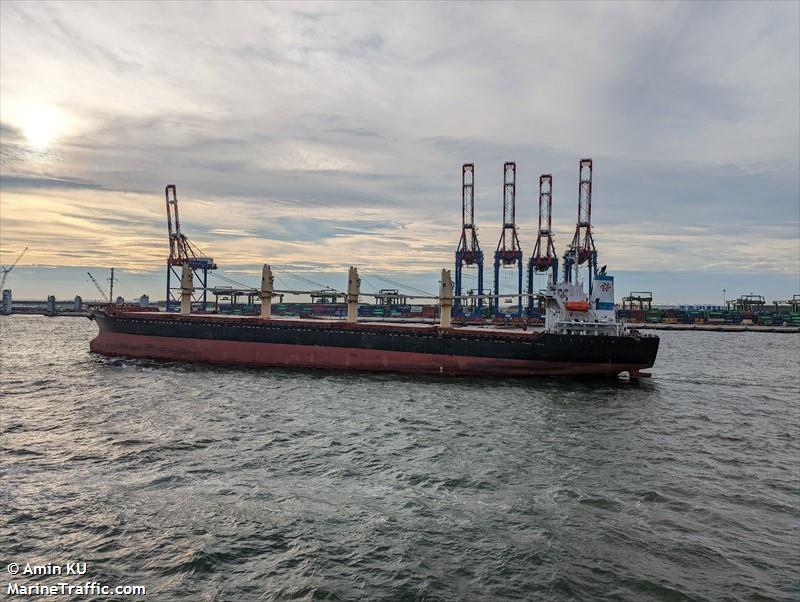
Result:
x=7 y=271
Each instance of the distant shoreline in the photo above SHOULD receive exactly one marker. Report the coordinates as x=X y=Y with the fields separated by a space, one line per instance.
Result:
x=714 y=327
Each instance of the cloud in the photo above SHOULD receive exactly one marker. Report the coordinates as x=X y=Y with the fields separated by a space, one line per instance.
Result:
x=33 y=182
x=318 y=135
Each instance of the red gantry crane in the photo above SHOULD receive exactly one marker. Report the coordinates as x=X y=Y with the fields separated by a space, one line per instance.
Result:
x=508 y=251
x=582 y=250
x=468 y=251
x=182 y=251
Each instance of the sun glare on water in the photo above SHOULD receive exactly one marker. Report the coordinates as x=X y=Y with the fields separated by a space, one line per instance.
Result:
x=41 y=125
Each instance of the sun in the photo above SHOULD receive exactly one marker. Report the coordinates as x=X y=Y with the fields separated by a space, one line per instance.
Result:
x=41 y=125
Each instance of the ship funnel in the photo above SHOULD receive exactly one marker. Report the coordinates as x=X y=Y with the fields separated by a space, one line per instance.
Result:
x=602 y=296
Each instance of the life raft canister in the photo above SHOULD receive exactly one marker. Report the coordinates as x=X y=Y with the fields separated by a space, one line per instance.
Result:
x=577 y=306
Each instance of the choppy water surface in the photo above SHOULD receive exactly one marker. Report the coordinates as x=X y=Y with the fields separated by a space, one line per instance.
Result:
x=228 y=484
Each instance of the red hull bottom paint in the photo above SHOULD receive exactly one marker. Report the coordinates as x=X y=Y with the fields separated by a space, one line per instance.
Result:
x=336 y=358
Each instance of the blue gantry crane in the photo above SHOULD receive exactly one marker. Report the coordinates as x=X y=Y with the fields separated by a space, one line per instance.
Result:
x=508 y=251
x=469 y=251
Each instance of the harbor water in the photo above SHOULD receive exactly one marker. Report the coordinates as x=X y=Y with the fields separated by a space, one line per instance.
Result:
x=205 y=483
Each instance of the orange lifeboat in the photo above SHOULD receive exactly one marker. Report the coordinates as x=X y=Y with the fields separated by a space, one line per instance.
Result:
x=577 y=306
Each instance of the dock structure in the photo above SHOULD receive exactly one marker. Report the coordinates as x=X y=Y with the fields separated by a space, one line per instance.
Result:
x=715 y=327
x=50 y=306
x=640 y=298
x=391 y=297
x=749 y=302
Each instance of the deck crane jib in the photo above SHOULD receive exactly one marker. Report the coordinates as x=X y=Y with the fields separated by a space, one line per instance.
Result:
x=103 y=294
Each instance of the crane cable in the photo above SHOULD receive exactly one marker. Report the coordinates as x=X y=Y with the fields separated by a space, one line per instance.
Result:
x=229 y=280
x=324 y=286
x=232 y=281
x=400 y=284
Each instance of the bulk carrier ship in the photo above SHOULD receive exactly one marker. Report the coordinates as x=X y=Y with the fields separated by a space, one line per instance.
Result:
x=578 y=339
x=581 y=335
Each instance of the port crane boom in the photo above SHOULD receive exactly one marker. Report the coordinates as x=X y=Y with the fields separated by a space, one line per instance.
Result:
x=98 y=287
x=7 y=270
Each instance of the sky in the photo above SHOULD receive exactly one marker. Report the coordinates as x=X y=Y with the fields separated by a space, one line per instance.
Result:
x=315 y=136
